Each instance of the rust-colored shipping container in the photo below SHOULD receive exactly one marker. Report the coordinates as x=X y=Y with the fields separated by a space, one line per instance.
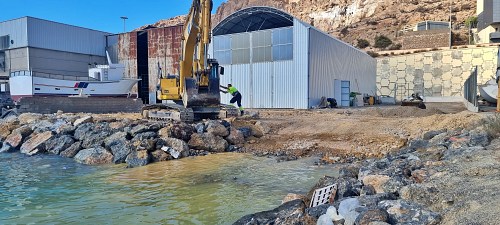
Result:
x=163 y=50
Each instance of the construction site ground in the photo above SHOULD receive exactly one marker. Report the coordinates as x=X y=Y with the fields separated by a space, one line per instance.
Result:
x=360 y=132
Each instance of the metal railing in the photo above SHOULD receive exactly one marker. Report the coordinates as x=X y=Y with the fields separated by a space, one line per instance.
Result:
x=470 y=89
x=51 y=75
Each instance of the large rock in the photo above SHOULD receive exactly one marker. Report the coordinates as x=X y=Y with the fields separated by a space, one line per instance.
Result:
x=83 y=130
x=27 y=118
x=348 y=208
x=175 y=147
x=376 y=181
x=208 y=142
x=145 y=141
x=137 y=158
x=94 y=156
x=262 y=127
x=181 y=131
x=115 y=138
x=58 y=144
x=65 y=129
x=247 y=131
x=141 y=128
x=235 y=137
x=95 y=139
x=370 y=215
x=72 y=150
x=120 y=149
x=419 y=193
x=216 y=128
x=85 y=119
x=6 y=128
x=289 y=213
x=34 y=144
x=479 y=137
x=405 y=212
x=292 y=196
x=160 y=156
x=14 y=139
x=347 y=187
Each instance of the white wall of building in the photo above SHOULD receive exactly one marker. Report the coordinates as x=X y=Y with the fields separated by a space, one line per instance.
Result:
x=331 y=59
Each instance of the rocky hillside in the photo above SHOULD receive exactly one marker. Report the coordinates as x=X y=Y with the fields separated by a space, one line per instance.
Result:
x=351 y=20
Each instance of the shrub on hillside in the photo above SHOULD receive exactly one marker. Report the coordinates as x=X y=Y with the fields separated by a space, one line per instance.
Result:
x=382 y=42
x=395 y=47
x=362 y=43
x=372 y=54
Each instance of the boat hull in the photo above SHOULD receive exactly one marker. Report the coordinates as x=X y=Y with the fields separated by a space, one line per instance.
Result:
x=489 y=91
x=23 y=86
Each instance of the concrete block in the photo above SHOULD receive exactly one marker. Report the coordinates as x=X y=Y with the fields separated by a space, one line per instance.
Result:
x=427 y=76
x=437 y=72
x=457 y=54
x=384 y=82
x=456 y=63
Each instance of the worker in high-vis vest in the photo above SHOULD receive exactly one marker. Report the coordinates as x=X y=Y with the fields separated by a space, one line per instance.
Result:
x=236 y=96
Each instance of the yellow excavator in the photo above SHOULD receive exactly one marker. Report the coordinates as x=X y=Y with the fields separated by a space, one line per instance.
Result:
x=196 y=89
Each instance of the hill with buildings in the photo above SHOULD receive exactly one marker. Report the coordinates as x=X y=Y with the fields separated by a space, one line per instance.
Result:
x=351 y=20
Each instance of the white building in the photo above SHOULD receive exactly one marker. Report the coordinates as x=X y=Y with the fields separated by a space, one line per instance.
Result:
x=278 y=61
x=43 y=46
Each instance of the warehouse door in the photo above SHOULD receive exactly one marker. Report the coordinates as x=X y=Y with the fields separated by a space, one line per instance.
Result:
x=342 y=89
x=143 y=67
x=262 y=85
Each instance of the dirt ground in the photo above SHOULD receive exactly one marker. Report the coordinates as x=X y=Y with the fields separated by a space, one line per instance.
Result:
x=360 y=132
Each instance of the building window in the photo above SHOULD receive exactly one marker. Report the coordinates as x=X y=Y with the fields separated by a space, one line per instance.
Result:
x=282 y=44
x=240 y=45
x=4 y=42
x=262 y=46
x=222 y=46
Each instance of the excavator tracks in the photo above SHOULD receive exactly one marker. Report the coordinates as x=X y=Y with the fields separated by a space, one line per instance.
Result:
x=168 y=112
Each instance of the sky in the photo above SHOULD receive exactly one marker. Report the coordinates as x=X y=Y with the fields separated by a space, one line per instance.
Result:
x=102 y=15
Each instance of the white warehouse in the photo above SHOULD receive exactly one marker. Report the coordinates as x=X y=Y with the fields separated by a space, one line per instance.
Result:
x=49 y=47
x=278 y=61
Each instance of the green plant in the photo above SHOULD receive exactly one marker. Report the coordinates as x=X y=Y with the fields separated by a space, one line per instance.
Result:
x=471 y=22
x=362 y=43
x=382 y=42
x=372 y=54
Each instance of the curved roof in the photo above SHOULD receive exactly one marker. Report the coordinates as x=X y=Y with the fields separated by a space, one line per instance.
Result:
x=252 y=19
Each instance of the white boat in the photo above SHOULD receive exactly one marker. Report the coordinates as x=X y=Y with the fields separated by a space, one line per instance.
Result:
x=489 y=91
x=103 y=80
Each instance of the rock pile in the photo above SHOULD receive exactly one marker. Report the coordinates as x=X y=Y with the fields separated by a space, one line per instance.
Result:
x=391 y=190
x=92 y=139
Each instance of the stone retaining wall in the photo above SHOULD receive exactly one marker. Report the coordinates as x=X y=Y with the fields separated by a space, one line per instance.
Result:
x=434 y=73
x=426 y=39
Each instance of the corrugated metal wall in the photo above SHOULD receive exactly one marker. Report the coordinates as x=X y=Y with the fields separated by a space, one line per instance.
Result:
x=164 y=48
x=62 y=37
x=127 y=55
x=17 y=31
x=332 y=59
x=299 y=78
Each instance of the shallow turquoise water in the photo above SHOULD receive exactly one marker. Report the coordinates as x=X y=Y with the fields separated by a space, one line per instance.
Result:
x=214 y=189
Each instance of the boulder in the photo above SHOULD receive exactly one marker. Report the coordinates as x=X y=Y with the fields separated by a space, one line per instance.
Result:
x=117 y=126
x=35 y=143
x=175 y=147
x=371 y=201
x=367 y=190
x=14 y=139
x=72 y=150
x=235 y=137
x=348 y=209
x=116 y=138
x=57 y=144
x=181 y=131
x=216 y=128
x=247 y=131
x=27 y=118
x=120 y=149
x=95 y=139
x=208 y=142
x=137 y=158
x=141 y=128
x=200 y=128
x=289 y=213
x=94 y=156
x=262 y=127
x=316 y=212
x=376 y=181
x=347 y=187
x=144 y=141
x=82 y=120
x=6 y=128
x=83 y=130
x=431 y=134
x=479 y=137
x=160 y=156
x=349 y=171
x=65 y=129
x=370 y=215
x=43 y=126
x=419 y=193
x=292 y=196
x=405 y=212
